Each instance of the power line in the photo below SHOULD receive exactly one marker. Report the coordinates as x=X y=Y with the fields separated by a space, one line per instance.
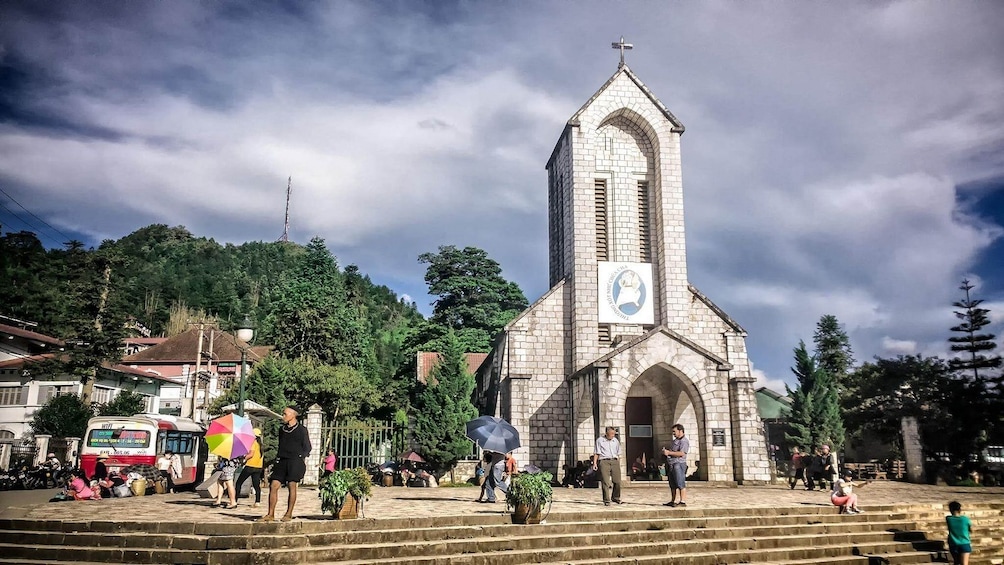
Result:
x=68 y=238
x=30 y=227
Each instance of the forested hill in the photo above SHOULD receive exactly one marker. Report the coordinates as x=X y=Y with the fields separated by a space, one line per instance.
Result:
x=164 y=277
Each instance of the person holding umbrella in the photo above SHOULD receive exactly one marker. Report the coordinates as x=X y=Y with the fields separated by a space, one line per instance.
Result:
x=290 y=467
x=495 y=479
x=496 y=436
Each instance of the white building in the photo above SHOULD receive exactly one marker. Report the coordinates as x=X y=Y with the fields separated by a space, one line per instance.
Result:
x=26 y=383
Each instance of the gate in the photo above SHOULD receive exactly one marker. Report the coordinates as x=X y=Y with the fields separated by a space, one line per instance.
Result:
x=22 y=454
x=360 y=444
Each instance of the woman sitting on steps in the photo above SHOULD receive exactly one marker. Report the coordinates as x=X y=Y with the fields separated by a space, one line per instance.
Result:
x=843 y=495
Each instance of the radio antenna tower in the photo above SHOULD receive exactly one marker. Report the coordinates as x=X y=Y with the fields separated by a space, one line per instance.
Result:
x=285 y=227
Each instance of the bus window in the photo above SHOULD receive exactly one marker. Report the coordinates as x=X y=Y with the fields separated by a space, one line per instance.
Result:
x=118 y=438
x=178 y=442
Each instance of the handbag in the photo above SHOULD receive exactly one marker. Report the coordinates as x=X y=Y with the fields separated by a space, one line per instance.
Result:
x=121 y=491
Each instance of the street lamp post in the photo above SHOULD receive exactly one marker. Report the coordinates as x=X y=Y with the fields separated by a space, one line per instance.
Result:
x=245 y=333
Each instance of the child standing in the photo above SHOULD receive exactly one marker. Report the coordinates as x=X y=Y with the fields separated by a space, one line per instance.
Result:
x=959 y=528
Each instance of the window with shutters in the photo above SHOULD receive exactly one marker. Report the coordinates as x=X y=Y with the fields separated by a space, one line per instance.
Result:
x=644 y=223
x=604 y=333
x=602 y=239
x=10 y=395
x=556 y=213
x=101 y=395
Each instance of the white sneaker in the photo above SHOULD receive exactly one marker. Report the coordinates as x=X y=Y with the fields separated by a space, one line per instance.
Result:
x=860 y=511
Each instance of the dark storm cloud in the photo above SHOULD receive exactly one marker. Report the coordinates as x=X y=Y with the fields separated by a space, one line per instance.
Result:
x=832 y=160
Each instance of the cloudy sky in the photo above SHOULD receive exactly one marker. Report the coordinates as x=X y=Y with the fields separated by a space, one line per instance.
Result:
x=839 y=158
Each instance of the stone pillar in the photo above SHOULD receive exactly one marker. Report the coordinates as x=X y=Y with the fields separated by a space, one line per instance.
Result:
x=72 y=449
x=41 y=448
x=5 y=456
x=749 y=450
x=313 y=422
x=912 y=450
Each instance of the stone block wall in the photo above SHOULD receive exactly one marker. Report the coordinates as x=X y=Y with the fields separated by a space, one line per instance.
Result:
x=534 y=378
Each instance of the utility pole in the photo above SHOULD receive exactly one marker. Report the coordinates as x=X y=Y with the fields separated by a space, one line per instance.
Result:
x=285 y=228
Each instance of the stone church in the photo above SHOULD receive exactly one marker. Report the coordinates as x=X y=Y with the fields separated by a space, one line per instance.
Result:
x=622 y=338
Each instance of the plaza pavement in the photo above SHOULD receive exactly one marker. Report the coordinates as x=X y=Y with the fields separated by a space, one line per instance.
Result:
x=400 y=502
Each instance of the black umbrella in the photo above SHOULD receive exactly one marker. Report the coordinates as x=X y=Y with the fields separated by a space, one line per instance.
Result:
x=148 y=472
x=493 y=434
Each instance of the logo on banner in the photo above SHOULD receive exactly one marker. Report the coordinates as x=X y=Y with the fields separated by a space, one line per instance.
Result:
x=626 y=293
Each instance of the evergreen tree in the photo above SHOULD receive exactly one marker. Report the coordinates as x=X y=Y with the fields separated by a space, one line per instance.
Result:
x=815 y=413
x=972 y=344
x=474 y=299
x=982 y=384
x=833 y=350
x=311 y=317
x=442 y=408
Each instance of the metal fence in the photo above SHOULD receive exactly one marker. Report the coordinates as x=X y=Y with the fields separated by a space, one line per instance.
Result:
x=359 y=444
x=22 y=454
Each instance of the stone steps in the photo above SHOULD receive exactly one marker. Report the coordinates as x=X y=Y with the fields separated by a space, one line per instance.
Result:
x=901 y=534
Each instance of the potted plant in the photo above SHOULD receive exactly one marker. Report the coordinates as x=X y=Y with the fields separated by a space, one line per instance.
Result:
x=343 y=492
x=527 y=495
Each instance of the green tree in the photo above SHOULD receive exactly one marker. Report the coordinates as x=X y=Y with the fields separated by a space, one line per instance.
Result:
x=342 y=391
x=63 y=416
x=833 y=350
x=815 y=412
x=883 y=392
x=311 y=317
x=970 y=343
x=126 y=403
x=442 y=408
x=982 y=388
x=474 y=300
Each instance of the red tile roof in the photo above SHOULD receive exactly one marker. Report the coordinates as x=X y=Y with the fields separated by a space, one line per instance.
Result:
x=185 y=346
x=19 y=361
x=28 y=334
x=427 y=360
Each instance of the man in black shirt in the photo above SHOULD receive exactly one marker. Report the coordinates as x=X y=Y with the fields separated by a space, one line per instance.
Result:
x=289 y=468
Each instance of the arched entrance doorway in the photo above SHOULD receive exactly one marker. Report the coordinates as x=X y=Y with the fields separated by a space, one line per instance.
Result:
x=659 y=398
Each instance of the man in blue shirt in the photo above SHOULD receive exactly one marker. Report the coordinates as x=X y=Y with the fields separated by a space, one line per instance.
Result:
x=676 y=466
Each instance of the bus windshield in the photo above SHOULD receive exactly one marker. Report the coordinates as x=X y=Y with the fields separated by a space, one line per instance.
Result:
x=119 y=438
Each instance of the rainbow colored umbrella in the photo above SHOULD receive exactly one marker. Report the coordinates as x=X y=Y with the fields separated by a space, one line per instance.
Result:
x=230 y=436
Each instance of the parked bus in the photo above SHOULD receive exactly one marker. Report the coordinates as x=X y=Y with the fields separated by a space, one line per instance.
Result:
x=129 y=440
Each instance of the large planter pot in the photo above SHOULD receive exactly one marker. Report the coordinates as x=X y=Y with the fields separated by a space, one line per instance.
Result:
x=526 y=514
x=388 y=480
x=349 y=509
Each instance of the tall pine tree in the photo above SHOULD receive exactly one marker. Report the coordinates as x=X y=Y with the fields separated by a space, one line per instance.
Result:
x=974 y=365
x=442 y=408
x=970 y=343
x=815 y=412
x=833 y=351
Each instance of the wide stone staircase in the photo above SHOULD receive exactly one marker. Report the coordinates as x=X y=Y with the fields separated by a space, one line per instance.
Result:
x=899 y=534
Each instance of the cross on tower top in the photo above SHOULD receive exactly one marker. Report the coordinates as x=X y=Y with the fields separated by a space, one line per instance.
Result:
x=622 y=46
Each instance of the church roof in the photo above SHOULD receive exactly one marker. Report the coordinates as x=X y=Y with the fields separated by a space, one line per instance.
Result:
x=714 y=308
x=722 y=363
x=625 y=70
x=677 y=124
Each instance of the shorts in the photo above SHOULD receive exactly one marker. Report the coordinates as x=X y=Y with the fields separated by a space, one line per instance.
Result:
x=288 y=470
x=957 y=549
x=678 y=475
